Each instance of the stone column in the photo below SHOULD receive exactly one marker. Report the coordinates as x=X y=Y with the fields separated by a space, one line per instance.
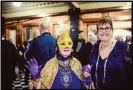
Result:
x=74 y=15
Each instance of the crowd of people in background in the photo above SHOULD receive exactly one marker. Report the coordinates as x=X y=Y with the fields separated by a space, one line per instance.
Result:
x=110 y=60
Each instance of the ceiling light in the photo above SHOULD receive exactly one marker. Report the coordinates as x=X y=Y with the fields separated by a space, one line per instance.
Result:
x=17 y=4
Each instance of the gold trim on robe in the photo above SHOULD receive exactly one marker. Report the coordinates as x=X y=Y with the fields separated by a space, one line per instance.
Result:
x=50 y=70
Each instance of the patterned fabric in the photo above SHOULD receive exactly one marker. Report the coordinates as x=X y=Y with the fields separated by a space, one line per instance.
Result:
x=116 y=71
x=65 y=77
x=75 y=83
x=50 y=70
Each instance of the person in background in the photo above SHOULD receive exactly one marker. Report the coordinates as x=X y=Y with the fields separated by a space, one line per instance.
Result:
x=110 y=59
x=129 y=48
x=78 y=48
x=129 y=42
x=42 y=48
x=22 y=60
x=128 y=39
x=119 y=38
x=10 y=40
x=85 y=52
x=9 y=58
x=61 y=72
x=93 y=38
x=21 y=49
x=28 y=43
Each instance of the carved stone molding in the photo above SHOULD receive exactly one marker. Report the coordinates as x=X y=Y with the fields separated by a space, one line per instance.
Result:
x=8 y=7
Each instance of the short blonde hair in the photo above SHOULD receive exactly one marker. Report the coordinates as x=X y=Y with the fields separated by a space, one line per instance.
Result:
x=44 y=25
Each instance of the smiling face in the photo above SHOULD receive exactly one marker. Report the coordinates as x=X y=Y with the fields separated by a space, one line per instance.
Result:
x=65 y=52
x=65 y=47
x=105 y=32
x=65 y=44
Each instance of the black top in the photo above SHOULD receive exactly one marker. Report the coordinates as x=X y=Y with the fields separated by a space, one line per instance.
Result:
x=117 y=70
x=9 y=58
x=100 y=72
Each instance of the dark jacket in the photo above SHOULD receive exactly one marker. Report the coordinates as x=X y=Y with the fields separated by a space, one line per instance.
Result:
x=84 y=54
x=117 y=67
x=79 y=51
x=42 y=48
x=21 y=49
x=9 y=58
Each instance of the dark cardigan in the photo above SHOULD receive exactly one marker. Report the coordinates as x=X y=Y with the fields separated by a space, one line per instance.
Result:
x=116 y=69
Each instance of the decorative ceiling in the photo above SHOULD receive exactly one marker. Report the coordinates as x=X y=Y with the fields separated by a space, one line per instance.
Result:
x=41 y=9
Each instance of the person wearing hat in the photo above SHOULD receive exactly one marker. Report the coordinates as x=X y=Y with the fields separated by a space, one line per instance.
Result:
x=61 y=72
x=78 y=48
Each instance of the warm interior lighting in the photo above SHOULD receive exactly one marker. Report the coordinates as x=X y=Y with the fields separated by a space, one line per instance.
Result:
x=121 y=32
x=62 y=25
x=48 y=19
x=123 y=17
x=43 y=15
x=17 y=4
x=60 y=22
x=129 y=3
x=126 y=7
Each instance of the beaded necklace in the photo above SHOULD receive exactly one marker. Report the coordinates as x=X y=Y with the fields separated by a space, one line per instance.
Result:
x=65 y=70
x=105 y=64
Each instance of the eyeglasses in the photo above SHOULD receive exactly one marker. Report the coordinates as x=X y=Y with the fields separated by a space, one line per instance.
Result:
x=107 y=29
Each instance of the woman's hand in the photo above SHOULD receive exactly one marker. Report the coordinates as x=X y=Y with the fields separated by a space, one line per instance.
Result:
x=32 y=65
x=86 y=71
